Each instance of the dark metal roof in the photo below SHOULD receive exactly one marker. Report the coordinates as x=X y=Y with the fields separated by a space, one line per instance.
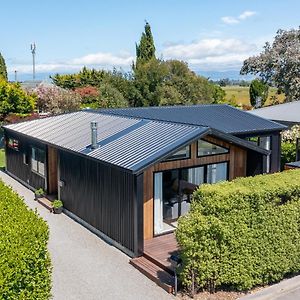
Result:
x=217 y=116
x=286 y=112
x=295 y=164
x=128 y=143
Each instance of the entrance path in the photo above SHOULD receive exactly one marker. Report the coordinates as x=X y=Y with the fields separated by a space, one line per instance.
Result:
x=84 y=266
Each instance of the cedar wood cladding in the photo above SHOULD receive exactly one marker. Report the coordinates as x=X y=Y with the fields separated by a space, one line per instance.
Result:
x=236 y=157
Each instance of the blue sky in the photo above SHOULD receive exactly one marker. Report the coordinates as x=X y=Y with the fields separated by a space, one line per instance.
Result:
x=209 y=35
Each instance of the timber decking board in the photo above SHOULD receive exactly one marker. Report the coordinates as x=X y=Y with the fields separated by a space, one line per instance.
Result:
x=160 y=249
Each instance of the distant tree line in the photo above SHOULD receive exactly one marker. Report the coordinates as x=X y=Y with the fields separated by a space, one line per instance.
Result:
x=151 y=82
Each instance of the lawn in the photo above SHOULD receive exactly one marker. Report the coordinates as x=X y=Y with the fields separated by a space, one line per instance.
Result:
x=240 y=94
x=2 y=158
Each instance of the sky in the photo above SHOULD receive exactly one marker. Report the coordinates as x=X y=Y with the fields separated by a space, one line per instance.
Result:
x=212 y=36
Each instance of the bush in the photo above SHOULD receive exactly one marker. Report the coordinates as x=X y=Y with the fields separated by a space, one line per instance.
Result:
x=24 y=260
x=13 y=100
x=288 y=153
x=57 y=203
x=242 y=233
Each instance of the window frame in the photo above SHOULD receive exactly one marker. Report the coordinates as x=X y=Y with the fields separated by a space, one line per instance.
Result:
x=178 y=158
x=207 y=155
x=38 y=152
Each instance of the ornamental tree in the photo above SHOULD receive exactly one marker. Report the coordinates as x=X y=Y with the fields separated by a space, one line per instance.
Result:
x=279 y=63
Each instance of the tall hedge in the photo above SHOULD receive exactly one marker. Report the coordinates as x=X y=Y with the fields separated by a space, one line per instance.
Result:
x=242 y=233
x=25 y=270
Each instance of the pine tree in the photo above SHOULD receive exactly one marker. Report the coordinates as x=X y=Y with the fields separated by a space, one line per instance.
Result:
x=145 y=50
x=3 y=71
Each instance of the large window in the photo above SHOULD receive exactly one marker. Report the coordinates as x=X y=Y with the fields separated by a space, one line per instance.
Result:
x=206 y=148
x=181 y=154
x=38 y=161
x=173 y=190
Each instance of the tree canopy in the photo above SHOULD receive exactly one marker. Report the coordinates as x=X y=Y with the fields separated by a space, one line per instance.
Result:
x=145 y=49
x=279 y=63
x=14 y=100
x=3 y=70
x=258 y=89
x=151 y=82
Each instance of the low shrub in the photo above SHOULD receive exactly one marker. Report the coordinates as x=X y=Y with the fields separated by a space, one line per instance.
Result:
x=57 y=203
x=242 y=233
x=288 y=153
x=25 y=269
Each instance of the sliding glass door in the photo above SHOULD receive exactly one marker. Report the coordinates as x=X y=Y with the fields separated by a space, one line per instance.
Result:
x=173 y=189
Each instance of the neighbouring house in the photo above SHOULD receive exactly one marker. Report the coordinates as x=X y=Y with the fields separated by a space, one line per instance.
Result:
x=128 y=174
x=285 y=113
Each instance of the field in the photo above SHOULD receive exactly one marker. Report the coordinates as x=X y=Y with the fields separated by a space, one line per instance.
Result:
x=240 y=94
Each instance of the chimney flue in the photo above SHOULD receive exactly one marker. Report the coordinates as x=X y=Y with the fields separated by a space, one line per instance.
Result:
x=94 y=126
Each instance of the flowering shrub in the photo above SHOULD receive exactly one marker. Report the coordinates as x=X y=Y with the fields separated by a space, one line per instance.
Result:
x=291 y=135
x=56 y=100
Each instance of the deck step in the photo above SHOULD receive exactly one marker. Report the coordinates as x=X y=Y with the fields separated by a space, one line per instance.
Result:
x=154 y=272
x=165 y=265
x=46 y=203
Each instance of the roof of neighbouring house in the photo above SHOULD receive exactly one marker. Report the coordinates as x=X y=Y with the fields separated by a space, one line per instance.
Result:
x=218 y=116
x=131 y=143
x=286 y=112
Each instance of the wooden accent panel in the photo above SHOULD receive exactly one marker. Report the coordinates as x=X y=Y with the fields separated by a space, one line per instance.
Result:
x=52 y=170
x=237 y=158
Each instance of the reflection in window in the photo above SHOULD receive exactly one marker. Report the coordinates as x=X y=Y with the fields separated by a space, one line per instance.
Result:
x=206 y=148
x=181 y=154
x=38 y=161
x=216 y=172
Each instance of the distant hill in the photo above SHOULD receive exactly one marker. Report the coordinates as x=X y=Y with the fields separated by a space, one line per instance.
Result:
x=213 y=75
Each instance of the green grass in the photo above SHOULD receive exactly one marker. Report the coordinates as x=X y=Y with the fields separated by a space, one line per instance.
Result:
x=240 y=94
x=2 y=158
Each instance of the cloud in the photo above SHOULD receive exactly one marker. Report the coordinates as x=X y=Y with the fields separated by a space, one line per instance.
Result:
x=230 y=20
x=235 y=20
x=100 y=60
x=212 y=54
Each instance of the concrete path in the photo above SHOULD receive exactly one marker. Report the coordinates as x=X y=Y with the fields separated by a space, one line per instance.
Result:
x=287 y=289
x=84 y=266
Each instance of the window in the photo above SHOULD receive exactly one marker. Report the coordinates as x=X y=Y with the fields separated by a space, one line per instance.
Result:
x=181 y=154
x=14 y=144
x=216 y=172
x=38 y=161
x=206 y=148
x=25 y=159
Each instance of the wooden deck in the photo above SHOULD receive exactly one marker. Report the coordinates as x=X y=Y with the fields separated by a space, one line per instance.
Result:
x=160 y=249
x=155 y=263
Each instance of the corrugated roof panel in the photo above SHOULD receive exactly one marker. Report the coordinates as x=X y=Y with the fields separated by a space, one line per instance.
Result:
x=221 y=117
x=286 y=112
x=126 y=142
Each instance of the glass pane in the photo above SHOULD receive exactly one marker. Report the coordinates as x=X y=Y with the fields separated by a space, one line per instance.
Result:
x=216 y=172
x=41 y=168
x=196 y=175
x=158 y=203
x=181 y=154
x=34 y=165
x=206 y=148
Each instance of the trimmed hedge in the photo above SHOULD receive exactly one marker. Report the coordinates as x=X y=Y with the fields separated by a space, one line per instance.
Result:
x=25 y=269
x=242 y=233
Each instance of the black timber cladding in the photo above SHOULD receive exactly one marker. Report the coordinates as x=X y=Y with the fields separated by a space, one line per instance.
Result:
x=221 y=117
x=15 y=160
x=102 y=196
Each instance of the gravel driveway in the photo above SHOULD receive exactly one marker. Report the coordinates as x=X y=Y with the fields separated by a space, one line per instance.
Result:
x=84 y=266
